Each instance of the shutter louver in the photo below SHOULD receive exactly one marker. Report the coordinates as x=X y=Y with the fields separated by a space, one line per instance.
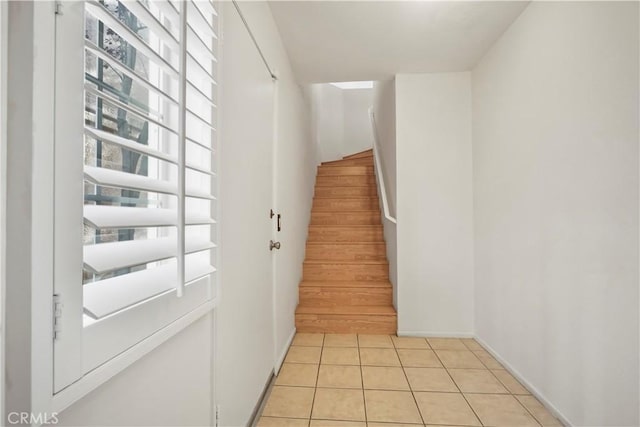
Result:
x=150 y=132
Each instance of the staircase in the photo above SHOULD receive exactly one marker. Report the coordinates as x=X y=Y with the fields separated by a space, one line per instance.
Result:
x=345 y=286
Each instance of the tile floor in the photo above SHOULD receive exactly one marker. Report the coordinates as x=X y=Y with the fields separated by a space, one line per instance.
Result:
x=385 y=381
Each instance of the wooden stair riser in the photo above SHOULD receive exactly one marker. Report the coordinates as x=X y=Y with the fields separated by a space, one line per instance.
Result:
x=346 y=323
x=330 y=296
x=345 y=284
x=348 y=204
x=345 y=287
x=360 y=155
x=345 y=170
x=346 y=218
x=321 y=233
x=360 y=272
x=347 y=252
x=344 y=180
x=360 y=191
x=365 y=161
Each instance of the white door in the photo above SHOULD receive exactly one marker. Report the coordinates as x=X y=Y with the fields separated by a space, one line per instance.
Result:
x=245 y=355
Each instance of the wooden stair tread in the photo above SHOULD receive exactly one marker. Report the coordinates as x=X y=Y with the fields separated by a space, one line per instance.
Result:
x=343 y=227
x=369 y=185
x=360 y=154
x=378 y=310
x=346 y=243
x=346 y=262
x=345 y=284
x=339 y=211
x=349 y=162
x=345 y=197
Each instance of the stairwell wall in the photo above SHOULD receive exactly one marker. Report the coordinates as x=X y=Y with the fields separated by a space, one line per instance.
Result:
x=340 y=121
x=434 y=204
x=555 y=134
x=384 y=109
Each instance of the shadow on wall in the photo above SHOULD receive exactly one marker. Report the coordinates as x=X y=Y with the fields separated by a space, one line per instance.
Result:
x=340 y=118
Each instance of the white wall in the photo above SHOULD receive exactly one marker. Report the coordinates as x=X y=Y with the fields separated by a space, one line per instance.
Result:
x=434 y=204
x=171 y=386
x=555 y=134
x=340 y=121
x=357 y=126
x=329 y=119
x=384 y=108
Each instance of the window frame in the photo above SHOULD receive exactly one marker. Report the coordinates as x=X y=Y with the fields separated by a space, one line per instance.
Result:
x=43 y=274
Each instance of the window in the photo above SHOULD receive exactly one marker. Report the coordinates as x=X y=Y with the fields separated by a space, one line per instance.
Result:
x=135 y=174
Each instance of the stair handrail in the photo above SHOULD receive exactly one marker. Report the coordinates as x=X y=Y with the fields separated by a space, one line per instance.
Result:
x=376 y=158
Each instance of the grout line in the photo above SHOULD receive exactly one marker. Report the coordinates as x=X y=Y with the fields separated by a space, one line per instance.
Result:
x=315 y=386
x=364 y=397
x=424 y=422
x=461 y=393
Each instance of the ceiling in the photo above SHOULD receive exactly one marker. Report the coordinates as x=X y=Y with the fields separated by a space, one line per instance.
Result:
x=332 y=41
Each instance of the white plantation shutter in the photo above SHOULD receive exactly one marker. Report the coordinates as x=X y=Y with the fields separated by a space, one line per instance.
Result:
x=148 y=156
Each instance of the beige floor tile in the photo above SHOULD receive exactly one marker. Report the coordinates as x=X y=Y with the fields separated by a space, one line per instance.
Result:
x=395 y=425
x=445 y=408
x=331 y=423
x=500 y=410
x=309 y=340
x=472 y=344
x=477 y=381
x=418 y=358
x=339 y=376
x=384 y=378
x=379 y=357
x=341 y=340
x=430 y=379
x=447 y=344
x=510 y=382
x=338 y=404
x=281 y=422
x=377 y=341
x=289 y=402
x=340 y=356
x=539 y=412
x=391 y=406
x=459 y=359
x=298 y=374
x=303 y=355
x=487 y=359
x=410 y=342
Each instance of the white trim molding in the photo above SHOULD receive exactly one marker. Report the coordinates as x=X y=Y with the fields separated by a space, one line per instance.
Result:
x=425 y=334
x=513 y=371
x=103 y=373
x=283 y=353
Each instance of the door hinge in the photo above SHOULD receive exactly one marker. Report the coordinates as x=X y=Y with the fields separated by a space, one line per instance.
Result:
x=217 y=416
x=57 y=316
x=58 y=8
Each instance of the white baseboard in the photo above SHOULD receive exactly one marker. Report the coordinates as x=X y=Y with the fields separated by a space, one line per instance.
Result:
x=283 y=352
x=424 y=334
x=526 y=383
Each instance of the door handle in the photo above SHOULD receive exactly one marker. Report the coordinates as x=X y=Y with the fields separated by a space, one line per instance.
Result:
x=273 y=245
